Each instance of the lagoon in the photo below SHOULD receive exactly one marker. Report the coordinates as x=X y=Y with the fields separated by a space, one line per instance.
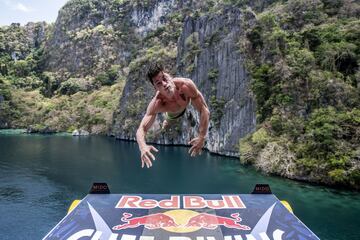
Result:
x=40 y=175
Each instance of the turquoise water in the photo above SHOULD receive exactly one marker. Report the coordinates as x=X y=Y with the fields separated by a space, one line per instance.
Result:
x=40 y=175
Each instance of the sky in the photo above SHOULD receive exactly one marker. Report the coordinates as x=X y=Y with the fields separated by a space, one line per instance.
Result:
x=24 y=11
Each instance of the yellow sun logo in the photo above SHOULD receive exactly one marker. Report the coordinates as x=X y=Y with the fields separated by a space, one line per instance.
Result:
x=181 y=217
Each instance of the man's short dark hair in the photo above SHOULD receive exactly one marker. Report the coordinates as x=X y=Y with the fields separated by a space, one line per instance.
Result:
x=154 y=70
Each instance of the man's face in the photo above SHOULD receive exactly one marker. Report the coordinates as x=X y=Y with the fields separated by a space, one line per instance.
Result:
x=164 y=84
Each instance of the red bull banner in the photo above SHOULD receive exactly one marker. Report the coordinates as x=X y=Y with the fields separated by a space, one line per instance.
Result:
x=180 y=217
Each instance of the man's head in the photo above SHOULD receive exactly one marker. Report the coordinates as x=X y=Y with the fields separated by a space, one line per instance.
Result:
x=161 y=80
x=153 y=70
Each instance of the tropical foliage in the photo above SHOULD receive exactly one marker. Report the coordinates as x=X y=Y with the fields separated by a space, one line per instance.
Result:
x=304 y=57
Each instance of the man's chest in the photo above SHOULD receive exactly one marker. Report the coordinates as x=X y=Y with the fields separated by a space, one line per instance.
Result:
x=177 y=104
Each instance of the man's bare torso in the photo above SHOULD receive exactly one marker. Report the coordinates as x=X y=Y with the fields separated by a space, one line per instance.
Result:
x=178 y=103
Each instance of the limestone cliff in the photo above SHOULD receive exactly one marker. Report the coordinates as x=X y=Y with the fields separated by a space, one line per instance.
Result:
x=207 y=52
x=218 y=69
x=90 y=36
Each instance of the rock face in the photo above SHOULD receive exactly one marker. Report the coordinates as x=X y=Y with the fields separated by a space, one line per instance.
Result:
x=80 y=133
x=19 y=41
x=147 y=19
x=42 y=130
x=220 y=74
x=207 y=52
x=3 y=124
x=36 y=33
x=91 y=36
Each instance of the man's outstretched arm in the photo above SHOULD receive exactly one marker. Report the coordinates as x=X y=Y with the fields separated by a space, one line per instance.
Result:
x=199 y=103
x=145 y=150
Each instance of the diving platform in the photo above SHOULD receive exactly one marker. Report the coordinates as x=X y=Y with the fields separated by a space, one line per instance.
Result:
x=104 y=216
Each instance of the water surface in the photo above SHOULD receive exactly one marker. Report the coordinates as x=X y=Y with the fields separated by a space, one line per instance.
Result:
x=40 y=175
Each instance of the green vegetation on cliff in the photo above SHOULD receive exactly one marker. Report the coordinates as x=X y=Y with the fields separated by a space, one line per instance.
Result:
x=304 y=59
x=33 y=98
x=86 y=110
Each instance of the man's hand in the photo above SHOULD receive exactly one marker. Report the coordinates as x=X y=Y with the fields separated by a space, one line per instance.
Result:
x=197 y=144
x=147 y=156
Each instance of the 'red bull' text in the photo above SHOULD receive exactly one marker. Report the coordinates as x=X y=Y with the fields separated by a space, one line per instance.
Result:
x=189 y=202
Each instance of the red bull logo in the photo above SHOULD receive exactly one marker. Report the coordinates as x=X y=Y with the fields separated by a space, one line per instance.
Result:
x=188 y=202
x=181 y=221
x=152 y=221
x=210 y=221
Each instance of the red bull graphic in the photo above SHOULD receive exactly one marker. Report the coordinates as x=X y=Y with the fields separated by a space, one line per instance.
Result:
x=210 y=221
x=188 y=202
x=152 y=221
x=138 y=202
x=180 y=217
x=167 y=222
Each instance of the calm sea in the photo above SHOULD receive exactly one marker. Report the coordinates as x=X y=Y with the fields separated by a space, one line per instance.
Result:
x=40 y=175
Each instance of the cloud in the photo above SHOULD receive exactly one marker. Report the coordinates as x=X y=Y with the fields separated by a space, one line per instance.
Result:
x=18 y=6
x=23 y=8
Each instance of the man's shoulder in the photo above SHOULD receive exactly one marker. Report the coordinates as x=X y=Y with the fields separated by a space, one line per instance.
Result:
x=184 y=83
x=187 y=86
x=182 y=80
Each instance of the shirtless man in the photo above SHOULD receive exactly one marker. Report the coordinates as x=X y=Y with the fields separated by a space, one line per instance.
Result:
x=172 y=97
